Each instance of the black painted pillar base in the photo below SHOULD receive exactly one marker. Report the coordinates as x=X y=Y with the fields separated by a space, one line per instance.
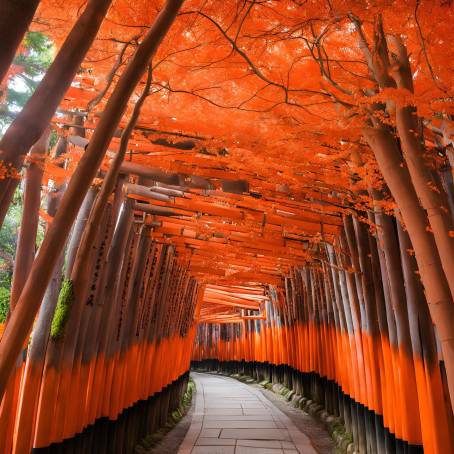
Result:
x=132 y=425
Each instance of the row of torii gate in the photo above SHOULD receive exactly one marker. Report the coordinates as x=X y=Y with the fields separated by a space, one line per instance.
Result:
x=163 y=247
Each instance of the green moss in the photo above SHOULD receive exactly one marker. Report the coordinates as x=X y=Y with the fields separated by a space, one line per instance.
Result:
x=63 y=309
x=176 y=415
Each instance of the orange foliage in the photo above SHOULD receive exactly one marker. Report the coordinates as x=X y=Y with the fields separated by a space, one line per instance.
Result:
x=275 y=93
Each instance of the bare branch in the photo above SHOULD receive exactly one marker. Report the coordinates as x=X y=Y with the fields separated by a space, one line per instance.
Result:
x=110 y=77
x=424 y=50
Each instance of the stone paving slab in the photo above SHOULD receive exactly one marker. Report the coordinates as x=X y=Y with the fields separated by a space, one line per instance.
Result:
x=257 y=411
x=255 y=434
x=210 y=433
x=223 y=405
x=251 y=450
x=252 y=405
x=261 y=443
x=231 y=417
x=250 y=424
x=213 y=450
x=201 y=441
x=224 y=411
x=268 y=417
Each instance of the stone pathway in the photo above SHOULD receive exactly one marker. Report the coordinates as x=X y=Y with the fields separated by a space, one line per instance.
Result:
x=233 y=418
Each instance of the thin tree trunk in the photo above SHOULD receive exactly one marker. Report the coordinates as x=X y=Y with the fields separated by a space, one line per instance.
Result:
x=15 y=18
x=31 y=122
x=26 y=242
x=31 y=297
x=430 y=192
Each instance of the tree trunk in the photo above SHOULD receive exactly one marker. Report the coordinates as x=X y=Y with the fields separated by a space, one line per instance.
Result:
x=26 y=242
x=430 y=192
x=30 y=300
x=438 y=294
x=31 y=122
x=15 y=18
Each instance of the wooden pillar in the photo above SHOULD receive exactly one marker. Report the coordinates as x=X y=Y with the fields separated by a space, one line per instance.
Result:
x=53 y=243
x=25 y=254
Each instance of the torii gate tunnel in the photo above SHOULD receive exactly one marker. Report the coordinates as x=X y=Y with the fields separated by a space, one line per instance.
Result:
x=253 y=187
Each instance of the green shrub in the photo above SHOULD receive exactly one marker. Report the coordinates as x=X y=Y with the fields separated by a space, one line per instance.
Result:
x=63 y=309
x=4 y=303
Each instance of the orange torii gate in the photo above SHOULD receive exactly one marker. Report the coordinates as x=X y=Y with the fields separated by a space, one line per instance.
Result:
x=256 y=187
